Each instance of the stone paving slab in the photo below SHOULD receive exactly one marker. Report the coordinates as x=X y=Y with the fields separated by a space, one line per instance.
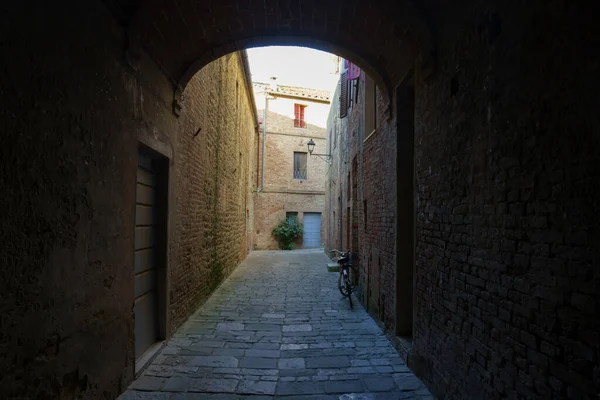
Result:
x=278 y=328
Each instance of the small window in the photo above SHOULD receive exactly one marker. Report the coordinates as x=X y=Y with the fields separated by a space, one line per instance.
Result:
x=344 y=95
x=300 y=165
x=299 y=116
x=291 y=216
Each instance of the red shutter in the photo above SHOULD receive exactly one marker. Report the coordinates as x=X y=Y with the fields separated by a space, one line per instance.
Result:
x=344 y=95
x=296 y=115
x=302 y=123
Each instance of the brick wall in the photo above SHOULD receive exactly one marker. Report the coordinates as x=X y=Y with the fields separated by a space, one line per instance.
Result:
x=271 y=209
x=283 y=193
x=364 y=172
x=507 y=175
x=74 y=111
x=507 y=211
x=378 y=238
x=213 y=184
x=506 y=216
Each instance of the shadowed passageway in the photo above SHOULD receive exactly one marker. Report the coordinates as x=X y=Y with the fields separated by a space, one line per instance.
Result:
x=278 y=327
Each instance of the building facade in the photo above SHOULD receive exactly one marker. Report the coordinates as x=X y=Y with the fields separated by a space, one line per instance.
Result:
x=290 y=182
x=362 y=201
x=360 y=213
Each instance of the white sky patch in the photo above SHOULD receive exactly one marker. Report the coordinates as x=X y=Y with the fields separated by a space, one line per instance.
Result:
x=293 y=66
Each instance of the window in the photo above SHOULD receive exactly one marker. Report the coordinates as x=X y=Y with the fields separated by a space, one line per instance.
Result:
x=299 y=116
x=300 y=165
x=291 y=216
x=370 y=106
x=344 y=95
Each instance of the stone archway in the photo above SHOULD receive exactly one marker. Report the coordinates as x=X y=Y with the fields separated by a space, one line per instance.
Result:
x=183 y=37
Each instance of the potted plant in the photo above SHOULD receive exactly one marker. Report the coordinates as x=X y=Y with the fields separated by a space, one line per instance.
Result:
x=287 y=232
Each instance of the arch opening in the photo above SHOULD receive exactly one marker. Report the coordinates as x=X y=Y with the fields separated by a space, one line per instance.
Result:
x=185 y=37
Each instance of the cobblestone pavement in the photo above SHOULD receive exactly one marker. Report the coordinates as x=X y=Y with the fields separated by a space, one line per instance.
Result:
x=278 y=328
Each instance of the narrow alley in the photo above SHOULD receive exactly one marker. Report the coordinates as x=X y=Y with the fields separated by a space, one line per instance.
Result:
x=156 y=157
x=278 y=328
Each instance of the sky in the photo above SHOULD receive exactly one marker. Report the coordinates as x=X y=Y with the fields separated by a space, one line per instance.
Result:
x=293 y=66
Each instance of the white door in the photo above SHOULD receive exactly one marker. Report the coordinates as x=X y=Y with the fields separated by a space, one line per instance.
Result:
x=312 y=230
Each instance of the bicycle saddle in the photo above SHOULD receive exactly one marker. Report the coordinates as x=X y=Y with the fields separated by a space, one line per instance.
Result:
x=343 y=260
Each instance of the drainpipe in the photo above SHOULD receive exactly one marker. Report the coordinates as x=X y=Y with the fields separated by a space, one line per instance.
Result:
x=341 y=219
x=264 y=145
x=329 y=219
x=272 y=87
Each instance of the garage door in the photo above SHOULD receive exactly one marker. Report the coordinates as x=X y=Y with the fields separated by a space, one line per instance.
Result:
x=312 y=230
x=146 y=299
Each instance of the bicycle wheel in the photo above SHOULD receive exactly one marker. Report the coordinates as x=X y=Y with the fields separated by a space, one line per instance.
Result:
x=342 y=285
x=349 y=290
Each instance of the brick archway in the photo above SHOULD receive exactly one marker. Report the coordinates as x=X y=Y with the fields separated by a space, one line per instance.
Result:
x=385 y=38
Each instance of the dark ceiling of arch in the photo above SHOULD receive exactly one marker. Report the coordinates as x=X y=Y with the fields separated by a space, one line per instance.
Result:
x=383 y=37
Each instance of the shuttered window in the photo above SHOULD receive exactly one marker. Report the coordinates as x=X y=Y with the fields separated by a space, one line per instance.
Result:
x=344 y=95
x=299 y=116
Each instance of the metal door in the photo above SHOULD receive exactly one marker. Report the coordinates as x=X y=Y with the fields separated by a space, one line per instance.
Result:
x=146 y=298
x=312 y=230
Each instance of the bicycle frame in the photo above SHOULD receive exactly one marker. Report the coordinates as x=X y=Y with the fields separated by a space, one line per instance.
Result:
x=345 y=281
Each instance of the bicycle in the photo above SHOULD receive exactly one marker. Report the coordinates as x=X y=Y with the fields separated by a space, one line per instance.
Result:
x=347 y=273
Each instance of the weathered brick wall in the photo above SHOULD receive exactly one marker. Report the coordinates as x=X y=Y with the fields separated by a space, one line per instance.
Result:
x=271 y=208
x=378 y=238
x=68 y=160
x=332 y=189
x=282 y=192
x=374 y=175
x=211 y=176
x=507 y=230
x=73 y=112
x=279 y=162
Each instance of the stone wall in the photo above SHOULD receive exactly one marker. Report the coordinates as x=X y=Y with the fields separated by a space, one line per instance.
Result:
x=73 y=112
x=507 y=206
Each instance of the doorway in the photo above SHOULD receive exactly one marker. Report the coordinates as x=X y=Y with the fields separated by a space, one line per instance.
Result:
x=150 y=253
x=312 y=230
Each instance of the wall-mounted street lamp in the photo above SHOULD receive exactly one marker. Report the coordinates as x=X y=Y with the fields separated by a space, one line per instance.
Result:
x=325 y=157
